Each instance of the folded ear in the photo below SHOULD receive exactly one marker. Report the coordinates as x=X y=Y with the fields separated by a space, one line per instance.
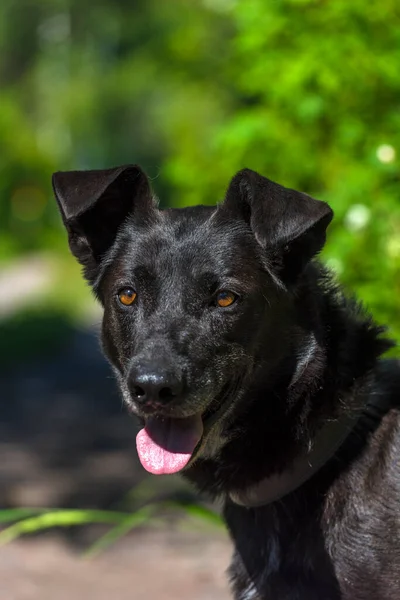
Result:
x=94 y=204
x=289 y=225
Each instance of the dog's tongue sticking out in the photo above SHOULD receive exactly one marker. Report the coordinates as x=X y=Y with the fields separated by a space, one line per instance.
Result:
x=166 y=445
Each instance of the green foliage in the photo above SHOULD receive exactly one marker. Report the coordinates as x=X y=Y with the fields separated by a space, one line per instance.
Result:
x=304 y=91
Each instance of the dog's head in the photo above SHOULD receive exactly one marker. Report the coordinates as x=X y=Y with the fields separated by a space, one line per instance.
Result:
x=190 y=295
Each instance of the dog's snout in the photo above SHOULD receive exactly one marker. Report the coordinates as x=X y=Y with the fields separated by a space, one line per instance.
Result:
x=153 y=387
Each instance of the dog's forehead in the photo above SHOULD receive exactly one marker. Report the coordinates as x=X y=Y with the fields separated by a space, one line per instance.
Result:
x=194 y=239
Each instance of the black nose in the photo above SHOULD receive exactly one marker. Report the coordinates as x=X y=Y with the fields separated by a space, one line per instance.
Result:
x=153 y=387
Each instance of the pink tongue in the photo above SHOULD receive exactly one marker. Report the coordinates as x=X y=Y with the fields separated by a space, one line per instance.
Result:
x=166 y=445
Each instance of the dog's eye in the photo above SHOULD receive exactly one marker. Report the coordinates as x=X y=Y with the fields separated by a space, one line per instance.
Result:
x=225 y=298
x=127 y=296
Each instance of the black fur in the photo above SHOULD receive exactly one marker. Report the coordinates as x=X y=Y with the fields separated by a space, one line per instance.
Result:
x=265 y=373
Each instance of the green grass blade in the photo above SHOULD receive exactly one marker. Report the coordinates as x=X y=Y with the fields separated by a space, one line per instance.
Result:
x=15 y=514
x=204 y=514
x=59 y=518
x=135 y=520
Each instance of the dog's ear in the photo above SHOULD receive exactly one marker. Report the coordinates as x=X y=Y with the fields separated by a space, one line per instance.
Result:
x=289 y=225
x=94 y=204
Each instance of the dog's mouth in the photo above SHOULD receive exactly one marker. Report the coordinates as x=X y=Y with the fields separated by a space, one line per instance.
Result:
x=166 y=445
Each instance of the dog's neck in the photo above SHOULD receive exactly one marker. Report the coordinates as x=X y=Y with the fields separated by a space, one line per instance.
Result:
x=320 y=448
x=325 y=444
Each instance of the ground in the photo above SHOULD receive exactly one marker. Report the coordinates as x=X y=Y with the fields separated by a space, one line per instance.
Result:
x=148 y=565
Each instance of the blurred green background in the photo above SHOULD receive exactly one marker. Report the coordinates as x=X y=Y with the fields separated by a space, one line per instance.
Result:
x=305 y=91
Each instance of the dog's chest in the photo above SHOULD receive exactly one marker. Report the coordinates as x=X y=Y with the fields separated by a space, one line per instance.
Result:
x=276 y=558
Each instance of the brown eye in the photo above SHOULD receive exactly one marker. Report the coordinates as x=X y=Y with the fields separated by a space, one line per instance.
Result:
x=127 y=296
x=225 y=298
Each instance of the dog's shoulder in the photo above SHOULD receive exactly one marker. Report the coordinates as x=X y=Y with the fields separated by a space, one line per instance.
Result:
x=360 y=516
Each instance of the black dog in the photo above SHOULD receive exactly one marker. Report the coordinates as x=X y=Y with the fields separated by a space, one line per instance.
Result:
x=251 y=374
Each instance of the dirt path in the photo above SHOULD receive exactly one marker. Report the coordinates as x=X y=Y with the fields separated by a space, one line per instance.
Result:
x=150 y=565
